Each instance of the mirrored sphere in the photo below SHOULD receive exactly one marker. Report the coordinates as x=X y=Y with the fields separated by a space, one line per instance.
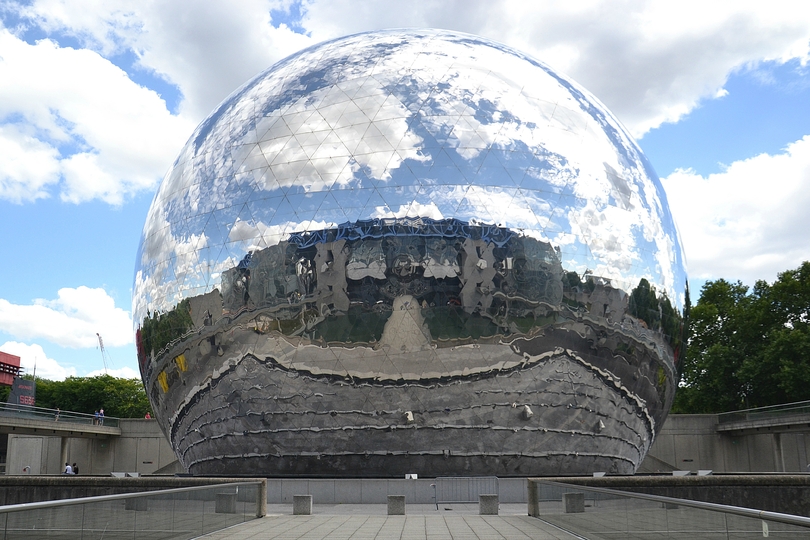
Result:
x=410 y=251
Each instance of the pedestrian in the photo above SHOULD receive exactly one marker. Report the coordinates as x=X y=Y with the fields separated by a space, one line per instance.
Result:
x=56 y=416
x=95 y=418
x=148 y=416
x=68 y=469
x=101 y=417
x=75 y=469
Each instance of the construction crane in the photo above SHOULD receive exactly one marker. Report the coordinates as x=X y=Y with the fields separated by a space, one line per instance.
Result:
x=104 y=357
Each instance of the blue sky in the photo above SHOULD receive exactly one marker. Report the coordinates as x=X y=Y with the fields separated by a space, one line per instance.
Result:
x=96 y=99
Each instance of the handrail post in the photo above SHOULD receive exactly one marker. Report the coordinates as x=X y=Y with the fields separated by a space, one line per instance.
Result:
x=261 y=499
x=534 y=502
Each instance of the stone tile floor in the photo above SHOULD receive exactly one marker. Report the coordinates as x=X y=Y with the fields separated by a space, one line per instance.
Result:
x=370 y=521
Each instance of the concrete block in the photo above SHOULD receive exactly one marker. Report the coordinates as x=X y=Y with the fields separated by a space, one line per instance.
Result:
x=226 y=503
x=488 y=505
x=396 y=505
x=573 y=503
x=302 y=505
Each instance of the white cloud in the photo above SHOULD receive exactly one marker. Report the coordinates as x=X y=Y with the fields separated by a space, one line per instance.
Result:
x=72 y=320
x=72 y=114
x=121 y=373
x=29 y=166
x=413 y=209
x=207 y=49
x=34 y=355
x=649 y=61
x=748 y=222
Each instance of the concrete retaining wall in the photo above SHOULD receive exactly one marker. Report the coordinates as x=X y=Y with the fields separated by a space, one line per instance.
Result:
x=691 y=442
x=142 y=448
x=374 y=491
x=686 y=442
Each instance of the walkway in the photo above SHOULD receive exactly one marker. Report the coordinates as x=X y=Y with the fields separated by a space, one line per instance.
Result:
x=367 y=522
x=25 y=420
x=790 y=417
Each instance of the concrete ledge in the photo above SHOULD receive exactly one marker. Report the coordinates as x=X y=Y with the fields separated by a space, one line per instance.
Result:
x=488 y=505
x=302 y=505
x=396 y=505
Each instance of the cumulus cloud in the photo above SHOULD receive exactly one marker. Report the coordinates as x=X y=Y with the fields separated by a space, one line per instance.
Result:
x=71 y=117
x=29 y=166
x=72 y=320
x=650 y=62
x=207 y=49
x=33 y=356
x=101 y=136
x=413 y=209
x=121 y=373
x=748 y=222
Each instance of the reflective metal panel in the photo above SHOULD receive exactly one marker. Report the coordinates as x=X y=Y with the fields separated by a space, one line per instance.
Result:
x=410 y=251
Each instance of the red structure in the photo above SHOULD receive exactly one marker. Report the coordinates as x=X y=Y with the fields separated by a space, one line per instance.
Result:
x=9 y=368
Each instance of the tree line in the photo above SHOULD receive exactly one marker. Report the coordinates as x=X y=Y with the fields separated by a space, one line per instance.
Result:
x=747 y=347
x=122 y=398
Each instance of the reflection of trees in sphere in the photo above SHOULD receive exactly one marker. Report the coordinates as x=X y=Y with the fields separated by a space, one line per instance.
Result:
x=409 y=251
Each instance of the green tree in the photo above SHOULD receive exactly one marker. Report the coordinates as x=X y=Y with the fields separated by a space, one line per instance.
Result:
x=709 y=378
x=123 y=398
x=748 y=349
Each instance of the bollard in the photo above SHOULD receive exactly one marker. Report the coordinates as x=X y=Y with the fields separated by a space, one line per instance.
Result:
x=396 y=505
x=573 y=503
x=488 y=505
x=302 y=505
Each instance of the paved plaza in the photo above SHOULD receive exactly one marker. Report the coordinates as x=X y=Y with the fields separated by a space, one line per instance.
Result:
x=370 y=521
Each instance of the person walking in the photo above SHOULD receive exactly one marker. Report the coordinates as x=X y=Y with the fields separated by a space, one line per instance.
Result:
x=101 y=417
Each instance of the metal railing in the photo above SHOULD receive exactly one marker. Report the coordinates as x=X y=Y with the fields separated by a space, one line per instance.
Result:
x=181 y=513
x=761 y=413
x=609 y=513
x=55 y=415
